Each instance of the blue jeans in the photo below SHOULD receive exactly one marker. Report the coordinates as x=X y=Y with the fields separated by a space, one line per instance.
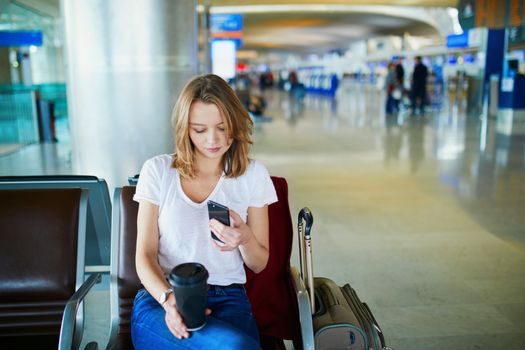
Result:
x=230 y=326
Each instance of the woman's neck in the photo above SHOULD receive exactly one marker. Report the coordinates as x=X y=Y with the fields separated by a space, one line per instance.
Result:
x=208 y=167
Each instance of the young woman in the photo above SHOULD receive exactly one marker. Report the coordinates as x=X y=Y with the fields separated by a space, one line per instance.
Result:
x=212 y=136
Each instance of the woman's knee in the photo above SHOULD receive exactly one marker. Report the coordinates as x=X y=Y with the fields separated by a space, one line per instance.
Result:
x=240 y=341
x=221 y=335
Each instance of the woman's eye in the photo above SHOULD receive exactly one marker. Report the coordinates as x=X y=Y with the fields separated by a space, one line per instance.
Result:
x=199 y=131
x=222 y=129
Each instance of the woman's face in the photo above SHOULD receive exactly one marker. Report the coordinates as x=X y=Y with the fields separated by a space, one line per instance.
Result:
x=207 y=131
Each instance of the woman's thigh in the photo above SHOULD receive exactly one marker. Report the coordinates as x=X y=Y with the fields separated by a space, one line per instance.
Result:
x=231 y=305
x=149 y=330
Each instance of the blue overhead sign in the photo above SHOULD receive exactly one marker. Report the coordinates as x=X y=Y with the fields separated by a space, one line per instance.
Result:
x=225 y=22
x=457 y=40
x=237 y=41
x=20 y=38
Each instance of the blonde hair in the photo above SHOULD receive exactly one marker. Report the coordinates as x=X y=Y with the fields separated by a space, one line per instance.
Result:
x=211 y=88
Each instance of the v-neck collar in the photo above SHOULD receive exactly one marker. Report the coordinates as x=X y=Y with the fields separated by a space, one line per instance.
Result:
x=204 y=202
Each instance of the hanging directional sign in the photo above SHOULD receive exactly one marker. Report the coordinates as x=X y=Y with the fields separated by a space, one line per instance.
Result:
x=457 y=40
x=227 y=27
x=226 y=22
x=491 y=13
x=20 y=38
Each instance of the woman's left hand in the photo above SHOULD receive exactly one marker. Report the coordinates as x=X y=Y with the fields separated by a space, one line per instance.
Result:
x=233 y=236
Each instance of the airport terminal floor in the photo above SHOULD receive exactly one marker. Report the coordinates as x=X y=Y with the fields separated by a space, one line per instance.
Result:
x=423 y=215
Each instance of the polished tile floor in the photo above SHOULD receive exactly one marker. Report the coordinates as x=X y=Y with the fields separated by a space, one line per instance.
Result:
x=423 y=215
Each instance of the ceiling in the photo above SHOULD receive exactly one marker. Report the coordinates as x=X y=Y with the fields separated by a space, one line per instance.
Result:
x=317 y=26
x=433 y=3
x=309 y=25
x=322 y=31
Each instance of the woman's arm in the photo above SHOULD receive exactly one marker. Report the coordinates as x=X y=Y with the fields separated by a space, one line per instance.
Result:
x=251 y=238
x=148 y=268
x=146 y=257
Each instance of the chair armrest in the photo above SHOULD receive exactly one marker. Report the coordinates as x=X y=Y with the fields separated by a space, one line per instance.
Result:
x=67 y=328
x=305 y=311
x=91 y=346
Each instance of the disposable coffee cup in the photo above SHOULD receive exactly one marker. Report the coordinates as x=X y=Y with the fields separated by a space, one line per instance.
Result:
x=189 y=283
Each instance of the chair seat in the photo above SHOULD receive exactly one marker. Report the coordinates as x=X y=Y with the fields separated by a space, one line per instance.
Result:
x=43 y=342
x=122 y=342
x=271 y=343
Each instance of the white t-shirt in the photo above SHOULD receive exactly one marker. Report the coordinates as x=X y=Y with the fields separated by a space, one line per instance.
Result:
x=184 y=225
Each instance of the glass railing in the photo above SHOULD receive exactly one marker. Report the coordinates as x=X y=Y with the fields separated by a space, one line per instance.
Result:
x=21 y=121
x=56 y=93
x=18 y=117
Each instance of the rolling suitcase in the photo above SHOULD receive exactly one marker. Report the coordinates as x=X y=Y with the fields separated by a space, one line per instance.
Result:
x=340 y=319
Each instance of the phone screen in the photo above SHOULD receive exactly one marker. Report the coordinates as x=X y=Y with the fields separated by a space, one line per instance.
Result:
x=220 y=213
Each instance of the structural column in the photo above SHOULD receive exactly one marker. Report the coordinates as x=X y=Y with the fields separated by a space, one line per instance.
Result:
x=126 y=62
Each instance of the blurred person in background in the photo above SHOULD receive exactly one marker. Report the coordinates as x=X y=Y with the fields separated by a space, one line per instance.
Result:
x=419 y=86
x=393 y=90
x=400 y=72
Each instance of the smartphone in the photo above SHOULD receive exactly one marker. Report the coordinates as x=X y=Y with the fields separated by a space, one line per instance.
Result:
x=220 y=213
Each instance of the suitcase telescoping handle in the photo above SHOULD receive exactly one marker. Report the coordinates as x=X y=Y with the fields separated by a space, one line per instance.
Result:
x=304 y=226
x=305 y=222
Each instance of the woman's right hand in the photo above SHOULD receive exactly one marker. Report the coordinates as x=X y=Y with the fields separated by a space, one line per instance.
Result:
x=174 y=319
